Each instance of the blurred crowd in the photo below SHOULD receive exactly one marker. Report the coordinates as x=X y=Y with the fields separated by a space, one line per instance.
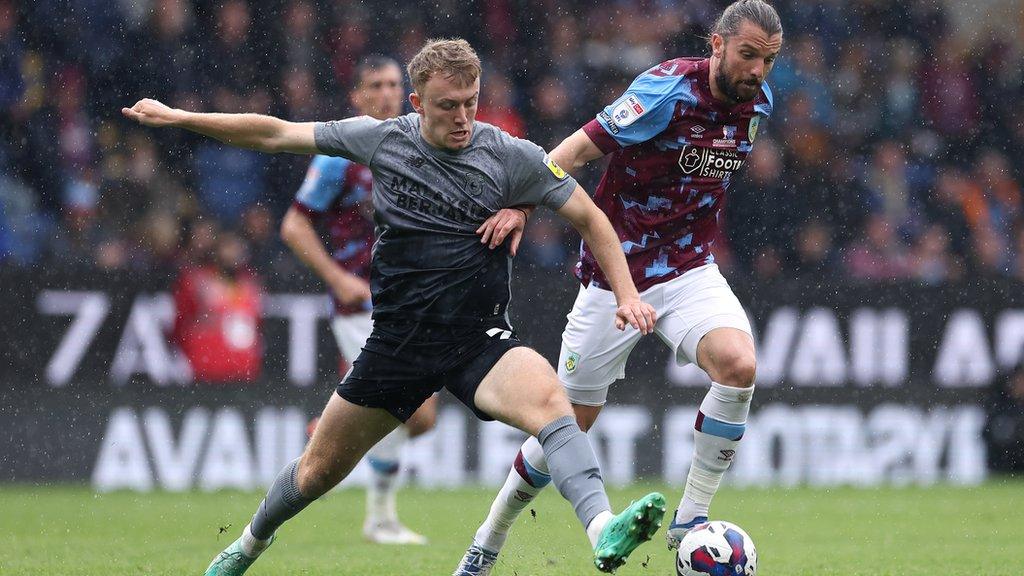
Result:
x=891 y=154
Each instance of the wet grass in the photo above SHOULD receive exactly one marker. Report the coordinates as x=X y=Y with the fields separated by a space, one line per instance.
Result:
x=798 y=532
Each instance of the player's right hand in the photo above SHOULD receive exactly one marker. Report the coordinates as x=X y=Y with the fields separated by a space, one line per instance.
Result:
x=638 y=314
x=151 y=112
x=350 y=290
x=502 y=224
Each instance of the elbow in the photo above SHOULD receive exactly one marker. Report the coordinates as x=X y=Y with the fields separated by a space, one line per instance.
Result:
x=287 y=231
x=268 y=145
x=584 y=225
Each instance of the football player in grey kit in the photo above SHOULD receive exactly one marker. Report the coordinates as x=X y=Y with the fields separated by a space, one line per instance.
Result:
x=440 y=296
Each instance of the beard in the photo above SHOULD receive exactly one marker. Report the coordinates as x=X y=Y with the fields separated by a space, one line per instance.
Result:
x=731 y=88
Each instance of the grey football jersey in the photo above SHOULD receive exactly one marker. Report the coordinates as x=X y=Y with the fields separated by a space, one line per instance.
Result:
x=428 y=263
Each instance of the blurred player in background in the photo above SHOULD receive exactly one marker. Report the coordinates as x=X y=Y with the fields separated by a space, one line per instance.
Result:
x=441 y=298
x=337 y=191
x=676 y=137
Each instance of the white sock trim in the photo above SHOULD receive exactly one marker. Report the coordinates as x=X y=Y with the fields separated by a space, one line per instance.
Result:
x=251 y=545
x=597 y=525
x=727 y=404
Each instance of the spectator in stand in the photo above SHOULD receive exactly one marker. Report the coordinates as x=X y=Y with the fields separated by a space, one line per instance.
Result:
x=990 y=256
x=1000 y=192
x=75 y=244
x=768 y=265
x=75 y=145
x=931 y=259
x=753 y=215
x=218 y=304
x=300 y=99
x=803 y=70
x=566 y=53
x=880 y=255
x=171 y=44
x=815 y=256
x=301 y=45
x=229 y=179
x=496 y=106
x=947 y=207
x=157 y=241
x=544 y=244
x=267 y=254
x=856 y=98
x=135 y=182
x=552 y=116
x=202 y=237
x=232 y=59
x=900 y=100
x=807 y=143
x=949 y=96
x=12 y=84
x=892 y=184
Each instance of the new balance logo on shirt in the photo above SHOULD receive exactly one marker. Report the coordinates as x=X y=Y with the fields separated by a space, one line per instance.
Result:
x=501 y=334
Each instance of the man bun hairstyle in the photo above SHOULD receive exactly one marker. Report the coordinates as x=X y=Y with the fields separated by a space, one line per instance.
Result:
x=449 y=57
x=757 y=12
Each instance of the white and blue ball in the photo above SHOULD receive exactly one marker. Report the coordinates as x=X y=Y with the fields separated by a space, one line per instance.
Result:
x=716 y=549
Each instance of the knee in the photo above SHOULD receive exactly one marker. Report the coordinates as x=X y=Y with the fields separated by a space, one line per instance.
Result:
x=553 y=403
x=586 y=415
x=738 y=371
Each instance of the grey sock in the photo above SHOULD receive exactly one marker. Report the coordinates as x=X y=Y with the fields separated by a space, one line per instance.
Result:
x=283 y=501
x=573 y=467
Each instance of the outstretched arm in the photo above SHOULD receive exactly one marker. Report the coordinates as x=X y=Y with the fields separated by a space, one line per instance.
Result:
x=599 y=235
x=254 y=131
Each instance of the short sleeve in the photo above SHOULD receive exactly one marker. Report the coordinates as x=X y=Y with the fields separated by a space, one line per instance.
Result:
x=354 y=138
x=535 y=179
x=646 y=108
x=324 y=181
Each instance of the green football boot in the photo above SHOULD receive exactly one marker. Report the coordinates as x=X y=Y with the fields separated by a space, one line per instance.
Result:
x=629 y=529
x=231 y=562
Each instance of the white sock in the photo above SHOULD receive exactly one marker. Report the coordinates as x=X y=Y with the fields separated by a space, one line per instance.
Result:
x=720 y=424
x=597 y=525
x=251 y=545
x=529 y=475
x=385 y=464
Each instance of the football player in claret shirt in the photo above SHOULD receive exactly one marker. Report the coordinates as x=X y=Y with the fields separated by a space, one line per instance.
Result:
x=676 y=138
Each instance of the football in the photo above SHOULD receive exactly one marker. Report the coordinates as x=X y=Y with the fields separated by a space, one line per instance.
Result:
x=716 y=548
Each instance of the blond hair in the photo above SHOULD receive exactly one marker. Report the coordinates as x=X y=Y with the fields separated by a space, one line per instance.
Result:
x=450 y=57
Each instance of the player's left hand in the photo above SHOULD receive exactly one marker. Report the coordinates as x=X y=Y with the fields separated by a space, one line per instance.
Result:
x=506 y=221
x=638 y=314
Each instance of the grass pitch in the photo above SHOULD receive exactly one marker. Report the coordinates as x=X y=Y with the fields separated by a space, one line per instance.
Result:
x=798 y=532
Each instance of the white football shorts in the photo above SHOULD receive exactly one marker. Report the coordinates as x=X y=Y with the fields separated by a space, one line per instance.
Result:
x=351 y=332
x=594 y=352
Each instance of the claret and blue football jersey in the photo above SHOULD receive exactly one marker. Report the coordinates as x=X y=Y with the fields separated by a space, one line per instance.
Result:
x=337 y=191
x=674 y=149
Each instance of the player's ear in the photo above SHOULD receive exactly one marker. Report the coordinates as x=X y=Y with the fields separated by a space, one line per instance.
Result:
x=717 y=45
x=417 y=104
